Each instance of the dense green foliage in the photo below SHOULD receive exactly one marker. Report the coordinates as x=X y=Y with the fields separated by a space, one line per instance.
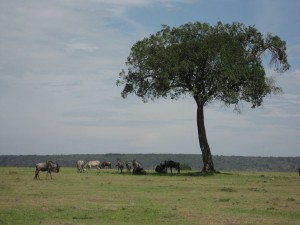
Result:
x=108 y=197
x=149 y=161
x=221 y=62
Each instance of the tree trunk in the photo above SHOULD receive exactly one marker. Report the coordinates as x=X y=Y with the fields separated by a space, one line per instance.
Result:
x=208 y=165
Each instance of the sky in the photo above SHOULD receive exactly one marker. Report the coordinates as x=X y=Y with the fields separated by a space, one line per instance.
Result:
x=60 y=59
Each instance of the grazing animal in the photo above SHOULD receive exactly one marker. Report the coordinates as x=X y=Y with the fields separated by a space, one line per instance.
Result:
x=171 y=164
x=161 y=168
x=80 y=166
x=128 y=166
x=138 y=170
x=91 y=164
x=48 y=166
x=120 y=166
x=299 y=169
x=106 y=164
x=135 y=163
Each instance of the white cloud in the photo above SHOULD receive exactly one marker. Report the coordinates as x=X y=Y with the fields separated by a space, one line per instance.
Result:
x=81 y=47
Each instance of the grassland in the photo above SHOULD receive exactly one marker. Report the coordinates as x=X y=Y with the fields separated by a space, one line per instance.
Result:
x=108 y=197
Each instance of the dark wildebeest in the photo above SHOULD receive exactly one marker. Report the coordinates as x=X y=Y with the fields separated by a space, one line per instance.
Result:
x=299 y=169
x=91 y=164
x=48 y=166
x=171 y=164
x=128 y=166
x=120 y=166
x=106 y=164
x=80 y=166
x=138 y=170
x=161 y=169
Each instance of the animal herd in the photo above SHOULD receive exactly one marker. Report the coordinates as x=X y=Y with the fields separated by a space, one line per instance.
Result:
x=133 y=167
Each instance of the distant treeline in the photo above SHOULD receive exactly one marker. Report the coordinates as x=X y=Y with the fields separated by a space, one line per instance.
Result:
x=149 y=161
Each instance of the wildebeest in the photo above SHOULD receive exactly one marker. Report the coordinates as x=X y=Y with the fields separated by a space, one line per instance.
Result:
x=106 y=164
x=120 y=166
x=138 y=170
x=48 y=166
x=160 y=169
x=80 y=166
x=299 y=169
x=91 y=164
x=171 y=164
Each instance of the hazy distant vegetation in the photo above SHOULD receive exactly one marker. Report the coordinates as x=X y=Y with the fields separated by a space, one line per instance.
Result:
x=149 y=161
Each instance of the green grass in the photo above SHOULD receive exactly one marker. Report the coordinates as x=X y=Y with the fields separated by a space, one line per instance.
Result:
x=108 y=197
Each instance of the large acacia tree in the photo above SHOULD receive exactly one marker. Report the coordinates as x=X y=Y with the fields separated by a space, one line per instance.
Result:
x=210 y=63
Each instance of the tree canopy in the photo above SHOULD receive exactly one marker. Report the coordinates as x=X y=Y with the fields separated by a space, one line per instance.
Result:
x=210 y=63
x=221 y=62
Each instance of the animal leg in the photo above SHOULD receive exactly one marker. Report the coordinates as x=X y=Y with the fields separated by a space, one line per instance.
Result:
x=47 y=175
x=36 y=174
